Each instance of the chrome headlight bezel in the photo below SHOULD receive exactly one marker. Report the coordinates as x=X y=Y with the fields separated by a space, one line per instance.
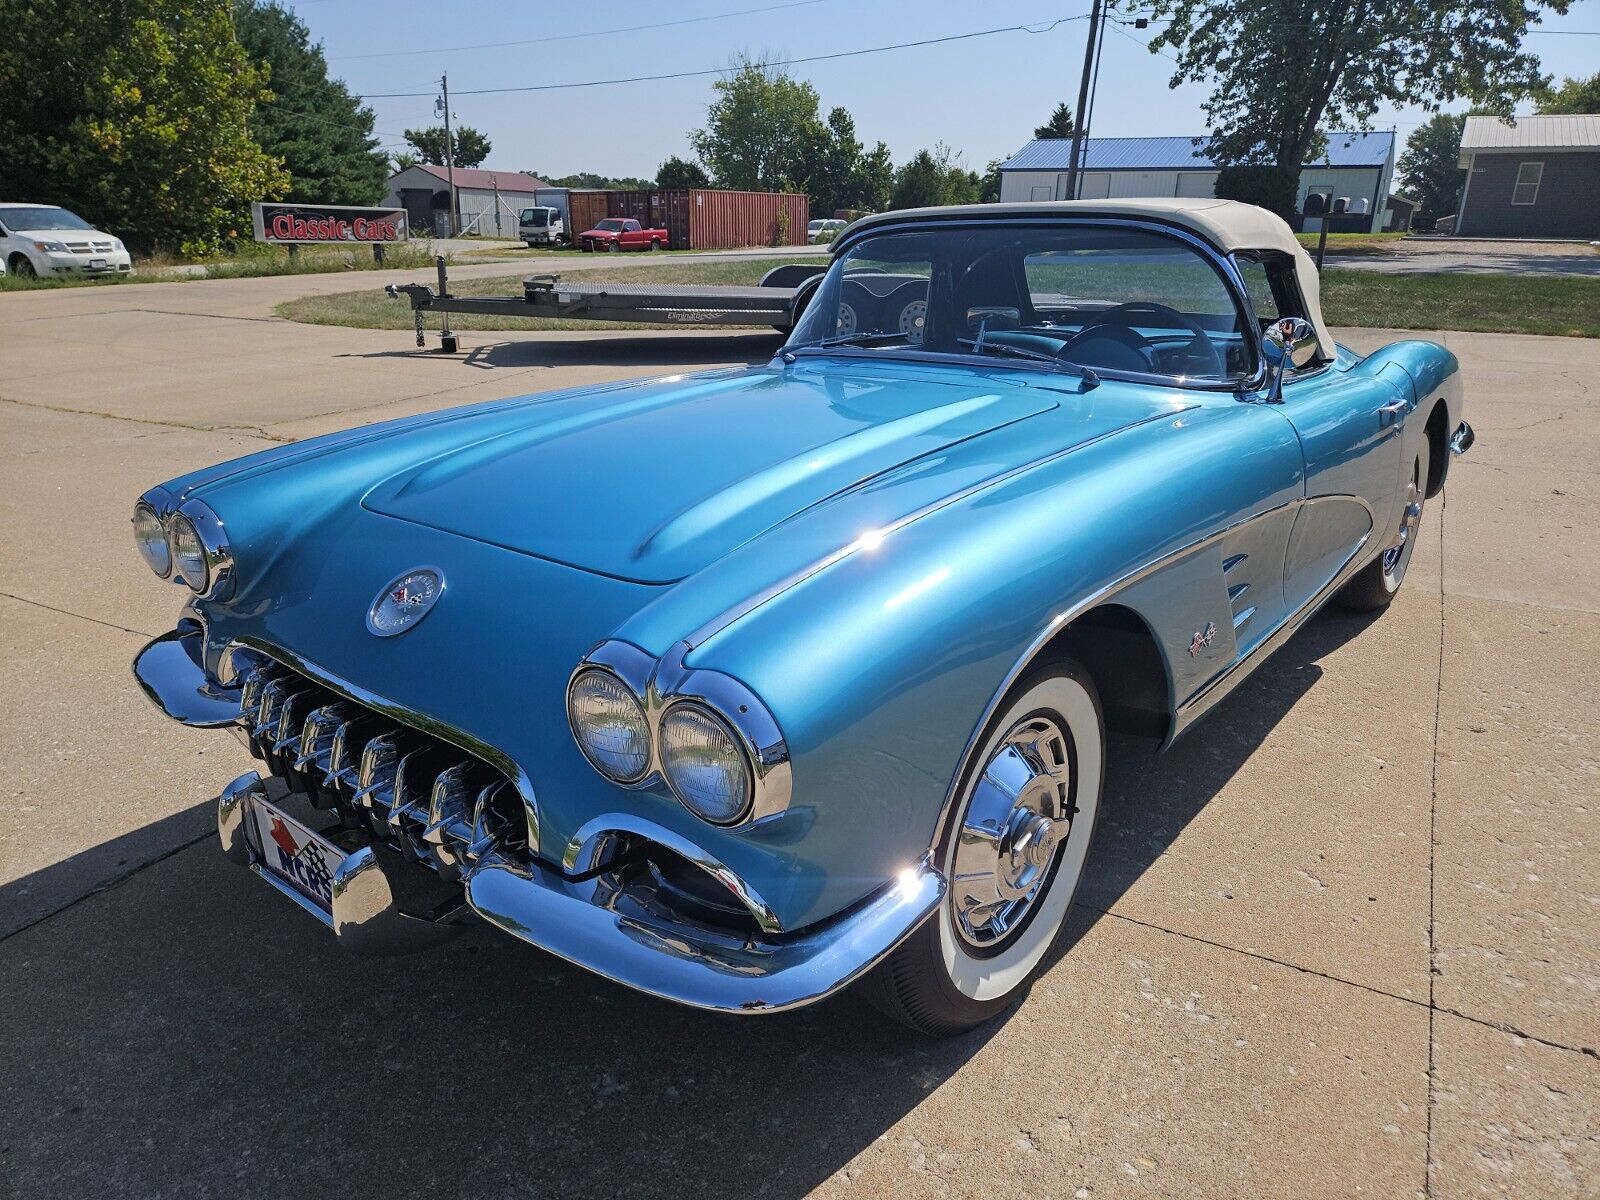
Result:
x=659 y=686
x=590 y=671
x=213 y=578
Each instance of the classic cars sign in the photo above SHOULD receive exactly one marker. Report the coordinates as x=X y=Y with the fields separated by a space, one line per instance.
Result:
x=318 y=223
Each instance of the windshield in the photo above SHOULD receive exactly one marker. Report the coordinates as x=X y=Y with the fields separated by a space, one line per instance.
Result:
x=612 y=226
x=536 y=216
x=41 y=218
x=1073 y=295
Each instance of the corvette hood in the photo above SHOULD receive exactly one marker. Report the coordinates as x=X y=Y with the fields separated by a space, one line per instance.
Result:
x=654 y=481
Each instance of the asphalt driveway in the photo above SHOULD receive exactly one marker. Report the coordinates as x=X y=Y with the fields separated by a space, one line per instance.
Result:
x=1343 y=939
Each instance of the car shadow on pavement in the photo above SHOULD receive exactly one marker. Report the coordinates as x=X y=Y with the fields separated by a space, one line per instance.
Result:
x=188 y=1032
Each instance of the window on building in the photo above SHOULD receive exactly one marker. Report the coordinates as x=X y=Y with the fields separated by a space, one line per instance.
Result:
x=1526 y=190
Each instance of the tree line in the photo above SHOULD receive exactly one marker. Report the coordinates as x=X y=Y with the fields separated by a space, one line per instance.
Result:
x=165 y=119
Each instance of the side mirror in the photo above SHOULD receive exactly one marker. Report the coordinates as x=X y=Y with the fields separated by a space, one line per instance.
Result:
x=1288 y=344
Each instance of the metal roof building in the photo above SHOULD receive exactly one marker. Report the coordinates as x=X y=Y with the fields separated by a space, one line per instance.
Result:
x=1532 y=177
x=489 y=201
x=1359 y=165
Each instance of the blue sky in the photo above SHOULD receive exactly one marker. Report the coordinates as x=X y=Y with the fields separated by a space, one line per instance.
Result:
x=981 y=96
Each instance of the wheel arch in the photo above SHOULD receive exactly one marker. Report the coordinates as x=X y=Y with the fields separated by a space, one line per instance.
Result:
x=1438 y=435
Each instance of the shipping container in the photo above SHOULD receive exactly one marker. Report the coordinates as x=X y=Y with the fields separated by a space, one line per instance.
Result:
x=709 y=219
x=588 y=209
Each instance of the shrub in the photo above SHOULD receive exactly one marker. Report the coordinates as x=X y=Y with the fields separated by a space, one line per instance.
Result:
x=1272 y=188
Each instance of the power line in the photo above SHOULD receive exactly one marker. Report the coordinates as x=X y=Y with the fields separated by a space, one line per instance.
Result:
x=1036 y=27
x=571 y=37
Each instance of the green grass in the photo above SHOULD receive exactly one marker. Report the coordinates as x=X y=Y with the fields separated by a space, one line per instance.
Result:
x=371 y=309
x=1565 y=306
x=1561 y=305
x=269 y=260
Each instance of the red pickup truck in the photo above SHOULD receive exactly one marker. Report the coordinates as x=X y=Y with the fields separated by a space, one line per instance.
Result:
x=622 y=233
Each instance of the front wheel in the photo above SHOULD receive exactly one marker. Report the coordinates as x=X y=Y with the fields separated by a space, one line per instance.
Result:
x=1377 y=584
x=1013 y=855
x=613 y=247
x=22 y=266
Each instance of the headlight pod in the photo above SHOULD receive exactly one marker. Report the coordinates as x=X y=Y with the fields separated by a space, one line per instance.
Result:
x=609 y=724
x=705 y=764
x=150 y=538
x=707 y=735
x=187 y=545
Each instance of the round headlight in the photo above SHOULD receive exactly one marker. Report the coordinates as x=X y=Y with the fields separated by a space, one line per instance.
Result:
x=610 y=726
x=705 y=765
x=189 y=553
x=151 y=540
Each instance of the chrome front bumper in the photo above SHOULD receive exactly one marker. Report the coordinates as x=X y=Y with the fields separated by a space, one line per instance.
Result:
x=589 y=921
x=1461 y=440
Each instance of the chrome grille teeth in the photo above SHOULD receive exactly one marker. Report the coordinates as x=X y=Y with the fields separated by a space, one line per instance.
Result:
x=379 y=762
x=316 y=736
x=420 y=795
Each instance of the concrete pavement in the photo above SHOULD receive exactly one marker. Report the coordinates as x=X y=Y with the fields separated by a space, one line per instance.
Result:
x=1343 y=939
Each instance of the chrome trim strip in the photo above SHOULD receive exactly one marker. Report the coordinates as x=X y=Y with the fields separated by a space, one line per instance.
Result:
x=873 y=537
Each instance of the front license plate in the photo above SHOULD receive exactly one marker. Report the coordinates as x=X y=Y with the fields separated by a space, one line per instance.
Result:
x=294 y=855
x=97 y=264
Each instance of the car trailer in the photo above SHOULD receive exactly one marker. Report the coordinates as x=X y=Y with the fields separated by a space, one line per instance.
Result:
x=776 y=301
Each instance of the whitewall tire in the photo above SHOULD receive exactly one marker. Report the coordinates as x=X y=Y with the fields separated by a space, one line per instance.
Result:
x=1013 y=856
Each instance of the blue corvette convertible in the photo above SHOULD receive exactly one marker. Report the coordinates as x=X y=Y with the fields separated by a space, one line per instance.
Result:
x=743 y=686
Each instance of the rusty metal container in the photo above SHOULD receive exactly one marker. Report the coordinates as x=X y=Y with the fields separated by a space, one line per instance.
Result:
x=588 y=209
x=707 y=218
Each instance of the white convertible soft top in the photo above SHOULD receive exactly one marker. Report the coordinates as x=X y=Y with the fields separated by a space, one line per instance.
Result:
x=1227 y=224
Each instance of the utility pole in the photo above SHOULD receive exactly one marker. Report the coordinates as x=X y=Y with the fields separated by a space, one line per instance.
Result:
x=1083 y=98
x=450 y=152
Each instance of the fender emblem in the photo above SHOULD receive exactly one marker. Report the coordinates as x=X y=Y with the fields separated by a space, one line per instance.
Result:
x=1203 y=638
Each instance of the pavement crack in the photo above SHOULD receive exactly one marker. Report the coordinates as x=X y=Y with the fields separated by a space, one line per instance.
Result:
x=79 y=616
x=89 y=412
x=1433 y=846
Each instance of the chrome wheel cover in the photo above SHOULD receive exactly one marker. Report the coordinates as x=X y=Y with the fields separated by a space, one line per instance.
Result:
x=847 y=322
x=1398 y=553
x=1017 y=818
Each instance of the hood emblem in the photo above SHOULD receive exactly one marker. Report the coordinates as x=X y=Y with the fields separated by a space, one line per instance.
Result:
x=404 y=601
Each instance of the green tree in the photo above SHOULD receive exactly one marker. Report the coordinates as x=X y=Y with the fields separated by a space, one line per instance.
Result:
x=471 y=146
x=135 y=115
x=1272 y=187
x=1430 y=168
x=874 y=181
x=681 y=173
x=762 y=131
x=591 y=179
x=322 y=133
x=1059 y=125
x=839 y=174
x=1282 y=72
x=1573 y=96
x=919 y=182
x=990 y=193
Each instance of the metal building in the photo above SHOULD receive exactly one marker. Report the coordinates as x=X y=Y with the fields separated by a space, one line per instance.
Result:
x=1356 y=165
x=1537 y=177
x=489 y=201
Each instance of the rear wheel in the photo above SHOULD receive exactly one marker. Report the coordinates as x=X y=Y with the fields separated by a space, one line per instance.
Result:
x=655 y=244
x=1013 y=856
x=1377 y=584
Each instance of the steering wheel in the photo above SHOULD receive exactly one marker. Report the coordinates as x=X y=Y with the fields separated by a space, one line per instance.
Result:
x=1115 y=325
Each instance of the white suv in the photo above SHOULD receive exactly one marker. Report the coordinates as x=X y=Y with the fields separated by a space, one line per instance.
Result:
x=42 y=239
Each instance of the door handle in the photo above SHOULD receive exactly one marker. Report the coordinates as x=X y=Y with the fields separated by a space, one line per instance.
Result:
x=1389 y=414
